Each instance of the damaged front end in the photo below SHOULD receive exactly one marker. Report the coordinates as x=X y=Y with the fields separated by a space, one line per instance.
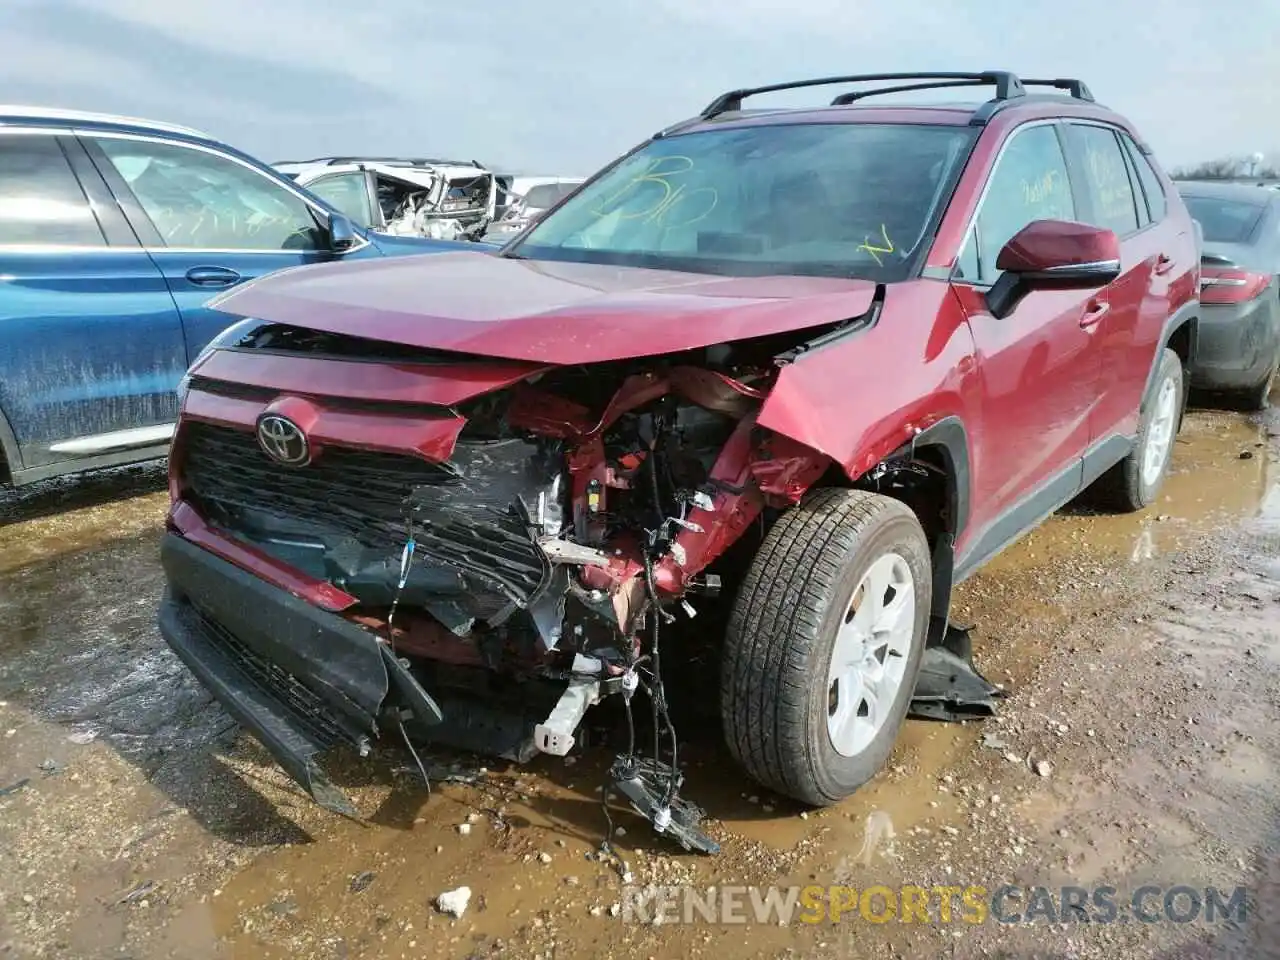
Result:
x=483 y=579
x=441 y=203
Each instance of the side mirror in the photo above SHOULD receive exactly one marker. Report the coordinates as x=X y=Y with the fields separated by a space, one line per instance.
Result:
x=342 y=235
x=1053 y=254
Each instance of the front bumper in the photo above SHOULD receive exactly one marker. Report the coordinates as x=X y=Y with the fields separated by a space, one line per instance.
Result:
x=298 y=678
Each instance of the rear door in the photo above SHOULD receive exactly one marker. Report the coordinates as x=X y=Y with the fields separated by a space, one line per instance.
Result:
x=208 y=219
x=351 y=193
x=1039 y=365
x=91 y=347
x=1139 y=299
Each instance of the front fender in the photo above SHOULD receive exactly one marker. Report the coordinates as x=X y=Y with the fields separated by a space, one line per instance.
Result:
x=861 y=397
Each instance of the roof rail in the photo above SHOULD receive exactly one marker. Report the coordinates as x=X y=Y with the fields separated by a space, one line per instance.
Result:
x=410 y=161
x=1076 y=88
x=413 y=161
x=847 y=98
x=1007 y=86
x=61 y=115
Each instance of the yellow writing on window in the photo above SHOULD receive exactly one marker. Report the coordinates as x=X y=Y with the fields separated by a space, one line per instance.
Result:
x=651 y=196
x=876 y=251
x=1115 y=196
x=1042 y=189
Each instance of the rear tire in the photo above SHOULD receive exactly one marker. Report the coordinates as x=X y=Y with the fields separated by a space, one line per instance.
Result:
x=824 y=644
x=1134 y=483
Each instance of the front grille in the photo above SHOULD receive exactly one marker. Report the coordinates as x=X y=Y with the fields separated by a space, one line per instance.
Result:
x=358 y=492
x=463 y=516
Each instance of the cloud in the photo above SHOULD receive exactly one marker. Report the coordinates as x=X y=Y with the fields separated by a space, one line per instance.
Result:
x=565 y=85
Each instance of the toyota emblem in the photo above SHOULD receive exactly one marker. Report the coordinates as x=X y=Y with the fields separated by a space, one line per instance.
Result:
x=283 y=440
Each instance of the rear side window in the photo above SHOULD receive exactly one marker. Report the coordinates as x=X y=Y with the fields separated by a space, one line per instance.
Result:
x=1152 y=187
x=41 y=201
x=1224 y=221
x=1029 y=183
x=542 y=196
x=1107 y=177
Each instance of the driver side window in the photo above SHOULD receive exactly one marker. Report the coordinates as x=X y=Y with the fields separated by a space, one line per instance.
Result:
x=1029 y=183
x=200 y=200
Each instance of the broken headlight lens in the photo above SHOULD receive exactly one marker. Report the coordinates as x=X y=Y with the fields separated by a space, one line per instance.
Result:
x=232 y=334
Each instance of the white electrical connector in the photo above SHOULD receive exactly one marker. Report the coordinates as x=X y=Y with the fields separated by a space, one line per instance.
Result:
x=661 y=819
x=630 y=681
x=703 y=501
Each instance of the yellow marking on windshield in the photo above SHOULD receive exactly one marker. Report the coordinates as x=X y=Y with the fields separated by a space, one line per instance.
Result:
x=876 y=251
x=659 y=172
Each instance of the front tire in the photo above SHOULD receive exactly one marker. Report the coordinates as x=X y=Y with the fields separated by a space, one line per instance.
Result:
x=824 y=644
x=1134 y=483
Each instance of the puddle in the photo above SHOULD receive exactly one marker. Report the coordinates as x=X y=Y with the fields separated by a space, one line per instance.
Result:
x=255 y=869
x=1220 y=474
x=69 y=515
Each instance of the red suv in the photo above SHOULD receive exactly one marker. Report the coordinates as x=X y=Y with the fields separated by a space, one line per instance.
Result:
x=811 y=366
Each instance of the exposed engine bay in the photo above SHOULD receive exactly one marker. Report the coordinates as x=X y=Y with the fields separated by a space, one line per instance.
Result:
x=435 y=204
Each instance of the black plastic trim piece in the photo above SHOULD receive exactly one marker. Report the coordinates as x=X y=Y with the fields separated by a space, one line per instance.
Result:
x=1022 y=518
x=1188 y=313
x=1076 y=88
x=950 y=434
x=1007 y=86
x=12 y=456
x=141 y=223
x=115 y=228
x=839 y=332
x=845 y=99
x=338 y=660
x=60 y=468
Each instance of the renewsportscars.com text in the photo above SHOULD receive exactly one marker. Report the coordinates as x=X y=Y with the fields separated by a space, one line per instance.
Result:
x=971 y=904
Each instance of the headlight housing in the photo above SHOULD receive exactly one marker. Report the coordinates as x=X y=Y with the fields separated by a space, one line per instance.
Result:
x=228 y=337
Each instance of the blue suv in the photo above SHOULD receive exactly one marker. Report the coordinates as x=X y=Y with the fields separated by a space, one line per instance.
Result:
x=114 y=233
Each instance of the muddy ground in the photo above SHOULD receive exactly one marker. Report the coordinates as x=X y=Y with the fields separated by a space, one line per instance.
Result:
x=1139 y=744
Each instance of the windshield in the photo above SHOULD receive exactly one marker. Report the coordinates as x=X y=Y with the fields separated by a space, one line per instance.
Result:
x=1224 y=221
x=846 y=200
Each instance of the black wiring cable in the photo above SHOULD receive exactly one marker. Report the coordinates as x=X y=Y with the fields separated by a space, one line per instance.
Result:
x=406 y=564
x=658 y=696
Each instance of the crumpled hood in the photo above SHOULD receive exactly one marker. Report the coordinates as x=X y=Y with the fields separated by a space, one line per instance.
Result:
x=539 y=311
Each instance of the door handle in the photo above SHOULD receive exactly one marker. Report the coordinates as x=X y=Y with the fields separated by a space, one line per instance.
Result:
x=1164 y=263
x=1094 y=312
x=213 y=276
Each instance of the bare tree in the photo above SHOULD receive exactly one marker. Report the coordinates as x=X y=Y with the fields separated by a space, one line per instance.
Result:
x=1228 y=168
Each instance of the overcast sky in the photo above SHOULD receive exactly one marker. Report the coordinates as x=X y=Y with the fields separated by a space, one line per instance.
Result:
x=562 y=86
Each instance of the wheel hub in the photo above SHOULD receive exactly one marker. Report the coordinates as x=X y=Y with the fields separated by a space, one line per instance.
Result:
x=1164 y=416
x=869 y=657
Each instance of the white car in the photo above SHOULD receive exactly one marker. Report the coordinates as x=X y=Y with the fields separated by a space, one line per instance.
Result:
x=527 y=198
x=442 y=199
